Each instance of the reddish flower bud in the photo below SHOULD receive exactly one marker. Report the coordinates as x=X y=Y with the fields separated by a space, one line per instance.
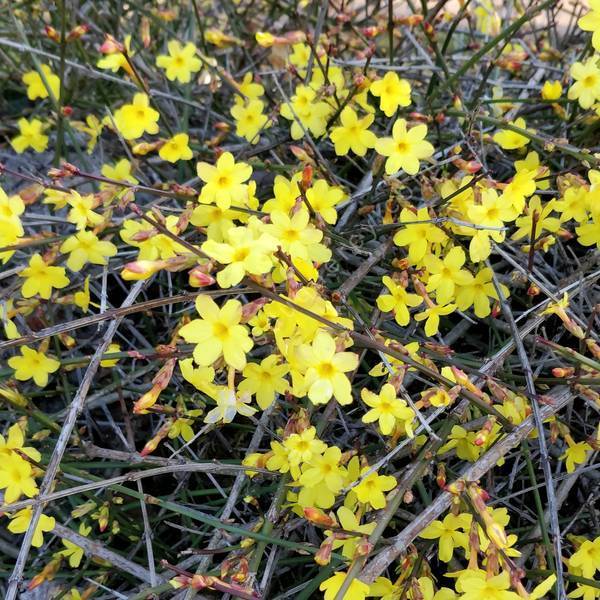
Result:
x=77 y=32
x=52 y=33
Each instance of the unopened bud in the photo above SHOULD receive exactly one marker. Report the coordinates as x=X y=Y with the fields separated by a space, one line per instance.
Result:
x=318 y=517
x=51 y=33
x=145 y=32
x=323 y=556
x=111 y=45
x=197 y=278
x=77 y=32
x=141 y=269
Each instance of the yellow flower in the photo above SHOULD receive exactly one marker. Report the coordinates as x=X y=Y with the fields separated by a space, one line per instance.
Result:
x=387 y=409
x=135 y=119
x=475 y=585
x=85 y=247
x=224 y=182
x=151 y=245
x=325 y=366
x=405 y=148
x=431 y=315
x=10 y=232
x=16 y=478
x=115 y=60
x=264 y=39
x=229 y=404
x=120 y=171
x=19 y=523
x=353 y=133
x=351 y=523
x=266 y=380
x=6 y=314
x=487 y=18
x=218 y=333
x=586 y=88
x=72 y=551
x=477 y=293
x=112 y=349
x=31 y=135
x=300 y=55
x=322 y=479
x=587 y=558
x=218 y=38
x=358 y=590
x=551 y=90
x=425 y=585
x=511 y=140
x=575 y=454
x=41 y=278
x=323 y=198
x=307 y=112
x=448 y=533
x=245 y=250
x=56 y=198
x=588 y=233
x=371 y=489
x=82 y=213
x=392 y=92
x=176 y=148
x=180 y=63
x=286 y=192
x=250 y=120
x=15 y=441
x=11 y=207
x=543 y=220
x=303 y=447
x=447 y=273
x=93 y=127
x=591 y=22
x=202 y=378
x=573 y=204
x=33 y=364
x=491 y=212
x=35 y=84
x=250 y=89
x=398 y=301
x=297 y=237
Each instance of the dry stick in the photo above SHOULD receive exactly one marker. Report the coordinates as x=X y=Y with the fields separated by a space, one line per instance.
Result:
x=187 y=467
x=561 y=495
x=63 y=441
x=539 y=424
x=364 y=268
x=113 y=313
x=536 y=280
x=379 y=563
x=93 y=548
x=233 y=494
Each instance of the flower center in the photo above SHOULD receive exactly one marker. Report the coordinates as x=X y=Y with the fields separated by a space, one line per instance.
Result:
x=240 y=254
x=402 y=147
x=220 y=330
x=326 y=370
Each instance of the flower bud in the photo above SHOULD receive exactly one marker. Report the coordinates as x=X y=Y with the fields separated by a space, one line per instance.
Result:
x=111 y=45
x=323 y=556
x=77 y=32
x=198 y=278
x=318 y=517
x=51 y=33
x=141 y=269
